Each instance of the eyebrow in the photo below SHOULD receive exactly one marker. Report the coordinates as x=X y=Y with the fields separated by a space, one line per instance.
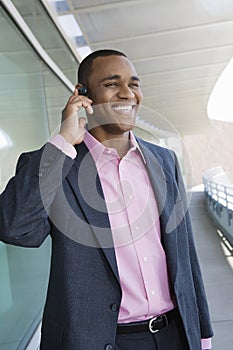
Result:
x=117 y=77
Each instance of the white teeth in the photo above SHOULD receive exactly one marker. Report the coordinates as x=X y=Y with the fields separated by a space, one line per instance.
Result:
x=123 y=108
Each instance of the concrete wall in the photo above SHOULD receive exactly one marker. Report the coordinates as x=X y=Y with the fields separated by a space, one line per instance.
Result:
x=214 y=147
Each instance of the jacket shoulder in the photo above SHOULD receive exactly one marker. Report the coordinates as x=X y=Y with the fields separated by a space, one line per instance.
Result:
x=25 y=157
x=157 y=150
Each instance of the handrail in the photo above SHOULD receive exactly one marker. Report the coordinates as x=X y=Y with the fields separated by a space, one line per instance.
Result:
x=222 y=193
x=219 y=198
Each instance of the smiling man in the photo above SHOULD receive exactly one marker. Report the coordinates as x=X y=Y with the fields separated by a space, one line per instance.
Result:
x=114 y=89
x=124 y=270
x=118 y=93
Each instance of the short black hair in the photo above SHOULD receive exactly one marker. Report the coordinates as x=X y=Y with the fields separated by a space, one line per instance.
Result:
x=85 y=66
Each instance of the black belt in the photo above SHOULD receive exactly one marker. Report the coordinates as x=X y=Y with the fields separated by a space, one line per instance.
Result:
x=153 y=325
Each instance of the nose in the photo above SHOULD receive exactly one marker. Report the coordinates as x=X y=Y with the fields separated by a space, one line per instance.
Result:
x=125 y=92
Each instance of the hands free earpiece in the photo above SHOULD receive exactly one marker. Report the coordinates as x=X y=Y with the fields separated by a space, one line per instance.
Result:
x=82 y=91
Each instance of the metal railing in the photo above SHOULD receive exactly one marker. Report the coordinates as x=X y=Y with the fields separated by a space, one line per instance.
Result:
x=219 y=198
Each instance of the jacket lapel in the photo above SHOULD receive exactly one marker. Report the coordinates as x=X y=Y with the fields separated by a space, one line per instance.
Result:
x=163 y=185
x=85 y=182
x=158 y=177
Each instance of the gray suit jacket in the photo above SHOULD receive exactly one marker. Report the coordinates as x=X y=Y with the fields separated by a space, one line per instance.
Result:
x=53 y=194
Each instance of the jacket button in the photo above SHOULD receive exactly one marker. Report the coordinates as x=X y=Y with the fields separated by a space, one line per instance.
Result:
x=114 y=307
x=108 y=347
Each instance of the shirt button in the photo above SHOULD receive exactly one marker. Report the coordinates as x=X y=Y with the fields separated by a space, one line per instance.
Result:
x=108 y=347
x=153 y=292
x=145 y=258
x=137 y=228
x=109 y=150
x=114 y=307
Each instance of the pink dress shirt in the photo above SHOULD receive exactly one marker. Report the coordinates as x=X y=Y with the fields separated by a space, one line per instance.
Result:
x=134 y=221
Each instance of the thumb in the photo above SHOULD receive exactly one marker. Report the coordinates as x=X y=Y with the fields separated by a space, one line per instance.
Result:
x=75 y=92
x=82 y=122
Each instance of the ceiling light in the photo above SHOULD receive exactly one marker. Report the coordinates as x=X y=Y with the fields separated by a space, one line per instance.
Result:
x=70 y=25
x=217 y=7
x=83 y=51
x=59 y=5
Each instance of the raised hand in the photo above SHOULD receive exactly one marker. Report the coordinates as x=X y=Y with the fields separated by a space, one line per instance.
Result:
x=72 y=127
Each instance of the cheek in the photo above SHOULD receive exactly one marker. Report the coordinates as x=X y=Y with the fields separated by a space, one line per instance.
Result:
x=139 y=96
x=100 y=95
x=102 y=108
x=103 y=95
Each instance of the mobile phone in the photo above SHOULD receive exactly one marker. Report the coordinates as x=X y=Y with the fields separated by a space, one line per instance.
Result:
x=82 y=91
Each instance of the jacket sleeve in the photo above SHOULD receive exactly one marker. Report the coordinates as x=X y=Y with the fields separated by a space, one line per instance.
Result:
x=25 y=203
x=202 y=304
x=203 y=309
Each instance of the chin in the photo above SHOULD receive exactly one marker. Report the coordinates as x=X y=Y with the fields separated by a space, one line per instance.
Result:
x=125 y=122
x=121 y=128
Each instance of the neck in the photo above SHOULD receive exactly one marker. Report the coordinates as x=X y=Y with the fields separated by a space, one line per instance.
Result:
x=121 y=143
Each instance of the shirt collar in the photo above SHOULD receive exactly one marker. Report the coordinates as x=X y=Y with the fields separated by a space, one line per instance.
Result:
x=97 y=148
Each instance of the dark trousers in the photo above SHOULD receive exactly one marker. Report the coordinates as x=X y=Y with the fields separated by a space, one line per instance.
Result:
x=171 y=337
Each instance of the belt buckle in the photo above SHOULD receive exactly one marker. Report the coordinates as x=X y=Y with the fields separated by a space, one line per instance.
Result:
x=155 y=330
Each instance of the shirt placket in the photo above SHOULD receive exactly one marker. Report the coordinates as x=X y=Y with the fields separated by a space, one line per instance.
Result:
x=140 y=245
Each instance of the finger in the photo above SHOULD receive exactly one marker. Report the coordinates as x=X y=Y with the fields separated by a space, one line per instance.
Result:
x=81 y=98
x=80 y=104
x=75 y=92
x=86 y=104
x=82 y=122
x=89 y=109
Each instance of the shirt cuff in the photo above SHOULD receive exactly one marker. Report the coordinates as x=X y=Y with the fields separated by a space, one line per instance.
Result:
x=206 y=343
x=66 y=147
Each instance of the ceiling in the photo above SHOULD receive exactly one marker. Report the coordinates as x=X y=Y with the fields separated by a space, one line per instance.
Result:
x=179 y=49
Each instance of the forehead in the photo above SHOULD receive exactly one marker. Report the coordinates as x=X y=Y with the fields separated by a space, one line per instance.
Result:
x=112 y=65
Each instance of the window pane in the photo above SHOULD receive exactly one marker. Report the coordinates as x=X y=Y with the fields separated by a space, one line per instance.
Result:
x=27 y=89
x=46 y=32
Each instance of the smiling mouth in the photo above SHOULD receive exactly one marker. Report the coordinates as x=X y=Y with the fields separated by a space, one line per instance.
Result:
x=123 y=108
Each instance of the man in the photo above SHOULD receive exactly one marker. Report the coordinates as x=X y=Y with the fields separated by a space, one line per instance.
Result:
x=124 y=271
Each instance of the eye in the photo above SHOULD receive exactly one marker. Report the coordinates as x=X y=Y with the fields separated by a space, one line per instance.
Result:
x=135 y=85
x=112 y=84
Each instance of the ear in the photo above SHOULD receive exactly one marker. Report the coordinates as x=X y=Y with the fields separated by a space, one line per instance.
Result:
x=78 y=86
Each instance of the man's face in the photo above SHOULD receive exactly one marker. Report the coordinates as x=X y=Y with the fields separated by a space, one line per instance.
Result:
x=115 y=91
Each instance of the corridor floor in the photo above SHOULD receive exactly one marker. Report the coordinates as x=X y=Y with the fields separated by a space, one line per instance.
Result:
x=217 y=268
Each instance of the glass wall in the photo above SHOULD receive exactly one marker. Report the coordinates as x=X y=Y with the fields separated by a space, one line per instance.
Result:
x=36 y=17
x=31 y=98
